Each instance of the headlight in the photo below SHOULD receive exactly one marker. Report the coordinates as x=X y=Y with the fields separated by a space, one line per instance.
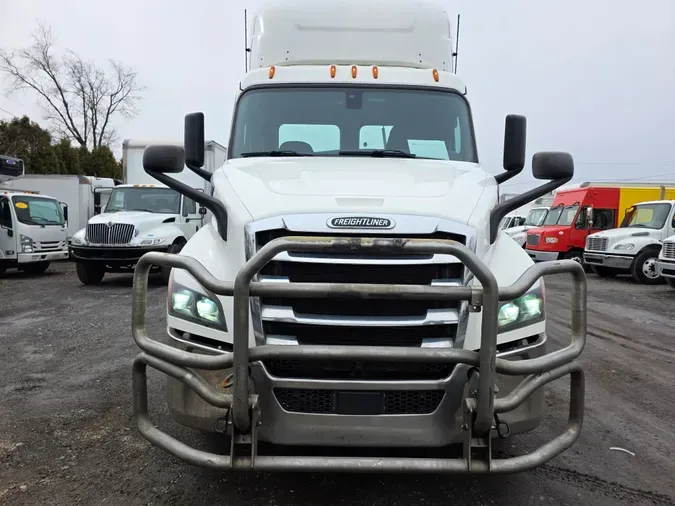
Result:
x=520 y=312
x=26 y=244
x=152 y=241
x=625 y=246
x=196 y=307
x=76 y=241
x=551 y=240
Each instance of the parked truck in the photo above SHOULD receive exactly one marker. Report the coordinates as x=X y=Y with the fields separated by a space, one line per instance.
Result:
x=565 y=229
x=85 y=196
x=665 y=264
x=141 y=215
x=353 y=288
x=535 y=218
x=634 y=247
x=32 y=231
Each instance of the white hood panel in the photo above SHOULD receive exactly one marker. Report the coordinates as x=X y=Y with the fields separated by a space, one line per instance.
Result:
x=271 y=187
x=142 y=220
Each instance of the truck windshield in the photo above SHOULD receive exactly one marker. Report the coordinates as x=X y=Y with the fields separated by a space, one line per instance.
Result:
x=560 y=215
x=37 y=210
x=151 y=200
x=353 y=121
x=647 y=216
x=536 y=217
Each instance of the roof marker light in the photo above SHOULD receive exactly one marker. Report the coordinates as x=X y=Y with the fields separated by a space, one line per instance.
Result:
x=272 y=71
x=376 y=71
x=354 y=71
x=333 y=70
x=435 y=73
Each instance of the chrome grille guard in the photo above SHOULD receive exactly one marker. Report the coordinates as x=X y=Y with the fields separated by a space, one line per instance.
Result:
x=479 y=410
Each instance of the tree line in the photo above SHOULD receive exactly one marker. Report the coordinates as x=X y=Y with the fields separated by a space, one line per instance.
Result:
x=80 y=101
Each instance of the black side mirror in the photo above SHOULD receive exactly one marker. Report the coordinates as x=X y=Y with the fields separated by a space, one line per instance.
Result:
x=194 y=144
x=64 y=206
x=164 y=159
x=515 y=141
x=202 y=211
x=552 y=165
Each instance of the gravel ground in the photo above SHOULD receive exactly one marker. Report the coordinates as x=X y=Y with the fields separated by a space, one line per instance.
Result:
x=67 y=435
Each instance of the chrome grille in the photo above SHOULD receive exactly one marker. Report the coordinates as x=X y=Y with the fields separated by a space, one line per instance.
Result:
x=669 y=250
x=533 y=239
x=109 y=233
x=372 y=322
x=596 y=243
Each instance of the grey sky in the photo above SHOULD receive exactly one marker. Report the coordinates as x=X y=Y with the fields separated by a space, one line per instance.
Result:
x=596 y=78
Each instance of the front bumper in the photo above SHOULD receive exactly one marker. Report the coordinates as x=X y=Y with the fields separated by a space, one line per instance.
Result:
x=42 y=256
x=665 y=268
x=112 y=255
x=427 y=413
x=622 y=262
x=542 y=256
x=249 y=411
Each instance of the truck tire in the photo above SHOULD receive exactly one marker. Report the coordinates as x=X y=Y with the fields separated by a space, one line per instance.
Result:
x=643 y=267
x=604 y=272
x=578 y=257
x=165 y=271
x=35 y=268
x=669 y=281
x=89 y=274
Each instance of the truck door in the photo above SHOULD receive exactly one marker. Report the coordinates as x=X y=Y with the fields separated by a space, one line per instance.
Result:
x=191 y=219
x=602 y=219
x=101 y=197
x=7 y=233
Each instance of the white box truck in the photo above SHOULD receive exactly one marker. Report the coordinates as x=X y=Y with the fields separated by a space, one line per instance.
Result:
x=353 y=288
x=634 y=247
x=142 y=215
x=85 y=196
x=32 y=231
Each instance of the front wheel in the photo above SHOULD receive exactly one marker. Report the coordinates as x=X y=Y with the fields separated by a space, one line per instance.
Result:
x=165 y=271
x=89 y=274
x=35 y=268
x=643 y=268
x=578 y=257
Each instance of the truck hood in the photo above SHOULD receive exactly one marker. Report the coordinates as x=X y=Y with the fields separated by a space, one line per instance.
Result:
x=273 y=186
x=622 y=233
x=142 y=220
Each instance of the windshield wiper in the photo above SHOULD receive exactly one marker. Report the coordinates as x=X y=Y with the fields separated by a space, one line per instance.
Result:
x=276 y=152
x=377 y=153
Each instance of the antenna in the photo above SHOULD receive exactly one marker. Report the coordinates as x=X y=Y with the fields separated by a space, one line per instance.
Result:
x=456 y=53
x=245 y=41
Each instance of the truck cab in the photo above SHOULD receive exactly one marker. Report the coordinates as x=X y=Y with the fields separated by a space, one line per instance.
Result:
x=634 y=247
x=354 y=269
x=33 y=231
x=535 y=218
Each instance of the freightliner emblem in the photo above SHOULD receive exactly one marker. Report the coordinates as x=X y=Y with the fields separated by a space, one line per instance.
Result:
x=360 y=222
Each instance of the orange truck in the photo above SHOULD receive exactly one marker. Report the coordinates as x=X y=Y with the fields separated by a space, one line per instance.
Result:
x=564 y=231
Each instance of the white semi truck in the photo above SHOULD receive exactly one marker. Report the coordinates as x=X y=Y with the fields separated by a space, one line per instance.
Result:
x=32 y=231
x=632 y=248
x=535 y=218
x=665 y=264
x=353 y=288
x=85 y=196
x=142 y=215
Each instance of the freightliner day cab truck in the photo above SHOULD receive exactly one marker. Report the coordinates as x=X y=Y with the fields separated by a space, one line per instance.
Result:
x=352 y=288
x=141 y=215
x=665 y=264
x=634 y=247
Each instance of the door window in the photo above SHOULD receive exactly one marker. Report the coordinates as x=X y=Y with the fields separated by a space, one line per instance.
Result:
x=189 y=207
x=603 y=219
x=5 y=213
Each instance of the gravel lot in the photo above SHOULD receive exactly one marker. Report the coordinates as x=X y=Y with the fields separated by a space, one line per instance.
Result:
x=67 y=435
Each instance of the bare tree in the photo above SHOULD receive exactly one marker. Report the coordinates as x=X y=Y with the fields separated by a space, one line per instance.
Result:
x=80 y=99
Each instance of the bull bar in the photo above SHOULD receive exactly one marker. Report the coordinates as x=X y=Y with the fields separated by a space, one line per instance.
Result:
x=479 y=409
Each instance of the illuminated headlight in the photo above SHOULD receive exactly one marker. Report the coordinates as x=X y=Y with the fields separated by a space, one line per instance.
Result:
x=520 y=312
x=625 y=246
x=26 y=244
x=551 y=240
x=196 y=307
x=152 y=241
